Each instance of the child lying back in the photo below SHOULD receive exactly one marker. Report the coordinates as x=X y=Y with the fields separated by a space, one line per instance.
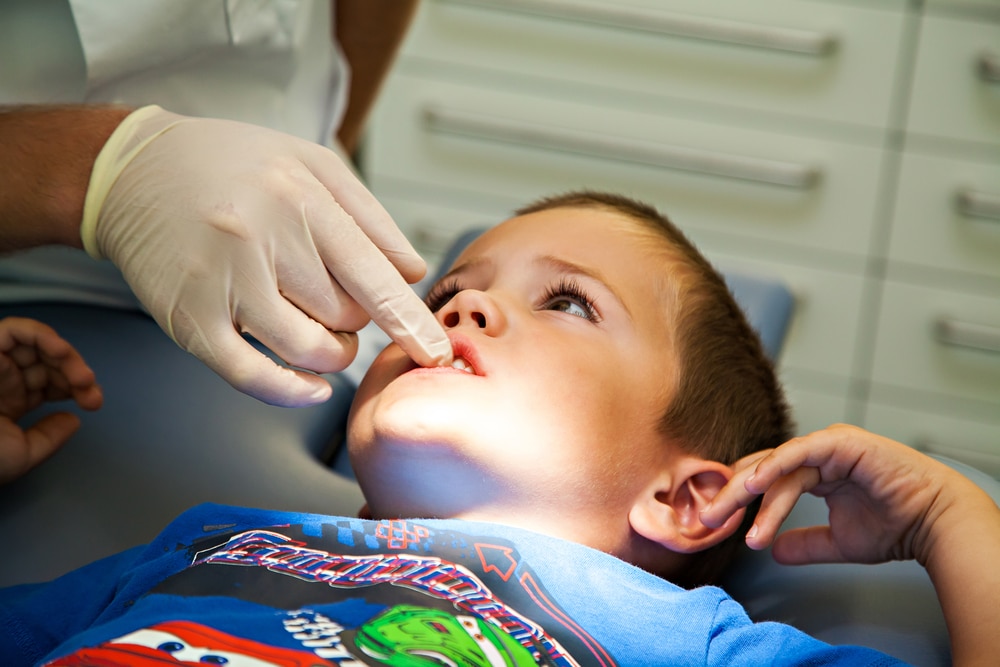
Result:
x=557 y=496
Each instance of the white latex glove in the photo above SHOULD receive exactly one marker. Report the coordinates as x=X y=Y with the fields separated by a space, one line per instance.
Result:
x=222 y=228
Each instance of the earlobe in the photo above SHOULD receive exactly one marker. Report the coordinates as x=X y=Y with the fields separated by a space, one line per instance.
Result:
x=669 y=510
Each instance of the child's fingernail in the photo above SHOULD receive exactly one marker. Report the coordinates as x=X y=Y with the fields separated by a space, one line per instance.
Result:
x=752 y=533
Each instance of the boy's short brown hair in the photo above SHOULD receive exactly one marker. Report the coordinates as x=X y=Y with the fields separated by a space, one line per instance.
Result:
x=729 y=402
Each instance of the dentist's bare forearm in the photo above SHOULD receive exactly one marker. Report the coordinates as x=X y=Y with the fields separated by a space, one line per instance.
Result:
x=962 y=563
x=46 y=156
x=370 y=33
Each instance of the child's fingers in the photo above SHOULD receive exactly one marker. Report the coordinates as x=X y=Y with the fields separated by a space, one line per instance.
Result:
x=758 y=473
x=777 y=504
x=9 y=374
x=730 y=499
x=39 y=442
x=834 y=451
x=39 y=379
x=749 y=462
x=90 y=397
x=804 y=546
x=50 y=432
x=55 y=377
x=30 y=343
x=22 y=332
x=80 y=384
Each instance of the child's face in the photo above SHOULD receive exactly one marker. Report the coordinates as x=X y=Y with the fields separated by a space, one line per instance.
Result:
x=559 y=315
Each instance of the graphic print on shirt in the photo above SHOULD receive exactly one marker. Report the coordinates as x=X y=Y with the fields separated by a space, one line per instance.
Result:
x=354 y=592
x=186 y=643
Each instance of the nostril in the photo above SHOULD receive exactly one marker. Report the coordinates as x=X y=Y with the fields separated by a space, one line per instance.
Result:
x=451 y=320
x=480 y=320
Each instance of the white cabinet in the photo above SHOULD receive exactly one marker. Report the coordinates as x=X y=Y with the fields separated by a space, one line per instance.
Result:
x=947 y=214
x=956 y=82
x=852 y=148
x=799 y=190
x=934 y=376
x=809 y=59
x=935 y=341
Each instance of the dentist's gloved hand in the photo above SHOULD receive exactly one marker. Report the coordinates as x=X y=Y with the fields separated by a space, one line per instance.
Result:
x=222 y=228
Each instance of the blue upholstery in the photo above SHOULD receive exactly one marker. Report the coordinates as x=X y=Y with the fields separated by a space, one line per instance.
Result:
x=172 y=434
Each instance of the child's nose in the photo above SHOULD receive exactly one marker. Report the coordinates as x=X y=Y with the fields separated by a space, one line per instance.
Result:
x=472 y=308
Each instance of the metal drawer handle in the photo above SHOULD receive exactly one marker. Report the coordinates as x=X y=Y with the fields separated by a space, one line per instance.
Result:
x=967 y=334
x=989 y=67
x=979 y=204
x=774 y=172
x=678 y=25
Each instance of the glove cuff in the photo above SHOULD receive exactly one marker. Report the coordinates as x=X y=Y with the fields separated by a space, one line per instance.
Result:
x=132 y=135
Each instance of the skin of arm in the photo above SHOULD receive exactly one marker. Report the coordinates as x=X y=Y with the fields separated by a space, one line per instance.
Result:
x=45 y=163
x=369 y=33
x=961 y=554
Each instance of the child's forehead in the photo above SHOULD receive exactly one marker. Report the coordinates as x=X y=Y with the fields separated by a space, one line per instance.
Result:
x=595 y=236
x=635 y=258
x=566 y=223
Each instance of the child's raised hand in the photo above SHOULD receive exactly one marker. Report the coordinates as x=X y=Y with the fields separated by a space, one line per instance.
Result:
x=37 y=365
x=883 y=497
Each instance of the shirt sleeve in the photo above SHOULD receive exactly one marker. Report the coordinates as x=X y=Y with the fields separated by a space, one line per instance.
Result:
x=736 y=639
x=34 y=618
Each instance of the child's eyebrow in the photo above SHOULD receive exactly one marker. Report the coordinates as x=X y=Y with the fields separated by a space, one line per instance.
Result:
x=464 y=267
x=563 y=266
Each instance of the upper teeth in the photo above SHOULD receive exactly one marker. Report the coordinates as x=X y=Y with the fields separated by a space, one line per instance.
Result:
x=462 y=365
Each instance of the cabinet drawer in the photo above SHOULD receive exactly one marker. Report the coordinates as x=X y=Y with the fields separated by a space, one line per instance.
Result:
x=947 y=215
x=939 y=341
x=792 y=190
x=974 y=442
x=961 y=5
x=809 y=59
x=956 y=84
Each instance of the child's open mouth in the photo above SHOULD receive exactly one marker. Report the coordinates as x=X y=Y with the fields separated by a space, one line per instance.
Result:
x=462 y=365
x=466 y=356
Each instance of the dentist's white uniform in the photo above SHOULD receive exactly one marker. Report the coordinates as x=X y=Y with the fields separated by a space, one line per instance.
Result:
x=269 y=63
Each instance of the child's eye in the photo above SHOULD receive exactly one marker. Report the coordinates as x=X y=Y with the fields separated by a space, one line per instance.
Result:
x=442 y=293
x=571 y=307
x=569 y=297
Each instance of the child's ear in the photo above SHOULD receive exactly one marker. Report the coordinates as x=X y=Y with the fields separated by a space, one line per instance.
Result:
x=668 y=511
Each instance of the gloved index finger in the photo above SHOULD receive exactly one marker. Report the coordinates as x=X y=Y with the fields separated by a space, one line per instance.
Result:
x=370 y=278
x=351 y=196
x=372 y=260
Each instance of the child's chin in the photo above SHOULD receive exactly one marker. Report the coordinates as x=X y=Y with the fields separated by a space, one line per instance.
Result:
x=418 y=418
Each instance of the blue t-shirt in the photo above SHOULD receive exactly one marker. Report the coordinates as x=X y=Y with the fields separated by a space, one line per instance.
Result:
x=233 y=586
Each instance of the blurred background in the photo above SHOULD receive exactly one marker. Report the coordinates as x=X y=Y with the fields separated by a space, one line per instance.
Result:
x=849 y=147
